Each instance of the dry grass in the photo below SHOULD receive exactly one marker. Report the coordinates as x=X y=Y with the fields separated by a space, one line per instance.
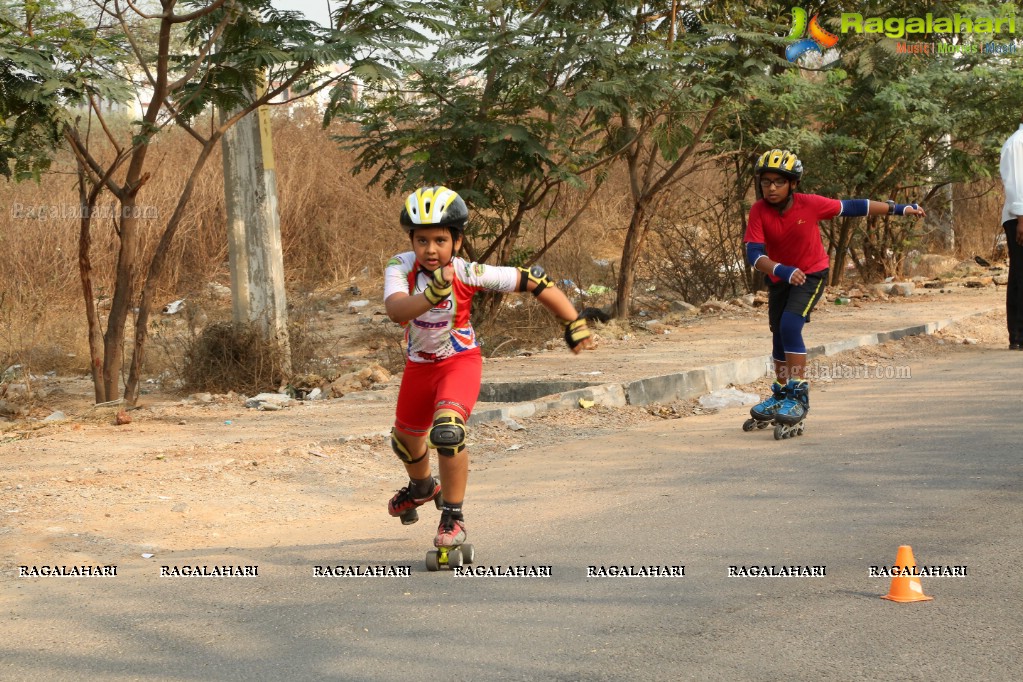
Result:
x=335 y=233
x=978 y=217
x=229 y=355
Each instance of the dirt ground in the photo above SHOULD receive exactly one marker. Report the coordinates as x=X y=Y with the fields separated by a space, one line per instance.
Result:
x=193 y=472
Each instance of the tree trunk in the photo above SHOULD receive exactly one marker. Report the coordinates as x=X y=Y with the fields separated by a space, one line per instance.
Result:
x=113 y=339
x=940 y=216
x=631 y=251
x=841 y=249
x=87 y=204
x=131 y=389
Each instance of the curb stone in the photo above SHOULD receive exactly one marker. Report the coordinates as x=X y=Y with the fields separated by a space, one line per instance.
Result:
x=695 y=382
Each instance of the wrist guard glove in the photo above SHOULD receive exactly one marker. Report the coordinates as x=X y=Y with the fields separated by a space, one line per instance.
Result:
x=900 y=209
x=438 y=289
x=576 y=331
x=783 y=272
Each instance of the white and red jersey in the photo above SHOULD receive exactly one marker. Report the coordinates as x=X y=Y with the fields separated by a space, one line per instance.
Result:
x=445 y=329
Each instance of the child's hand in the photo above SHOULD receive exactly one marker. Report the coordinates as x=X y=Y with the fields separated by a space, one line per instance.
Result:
x=788 y=273
x=915 y=209
x=439 y=287
x=577 y=335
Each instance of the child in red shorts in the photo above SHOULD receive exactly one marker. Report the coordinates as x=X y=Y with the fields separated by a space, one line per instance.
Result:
x=429 y=290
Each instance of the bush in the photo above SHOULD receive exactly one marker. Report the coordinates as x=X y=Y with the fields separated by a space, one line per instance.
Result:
x=235 y=356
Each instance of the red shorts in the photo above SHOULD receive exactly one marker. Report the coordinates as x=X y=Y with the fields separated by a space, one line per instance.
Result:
x=451 y=384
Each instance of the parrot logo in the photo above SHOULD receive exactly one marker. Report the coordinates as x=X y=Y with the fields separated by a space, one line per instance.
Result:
x=816 y=38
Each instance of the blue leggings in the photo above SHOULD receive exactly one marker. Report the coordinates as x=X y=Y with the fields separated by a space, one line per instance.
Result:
x=788 y=337
x=789 y=308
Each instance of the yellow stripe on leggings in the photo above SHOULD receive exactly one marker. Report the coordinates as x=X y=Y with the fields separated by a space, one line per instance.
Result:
x=806 y=310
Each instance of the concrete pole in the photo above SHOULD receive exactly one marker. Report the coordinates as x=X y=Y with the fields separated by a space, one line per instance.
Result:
x=254 y=231
x=239 y=176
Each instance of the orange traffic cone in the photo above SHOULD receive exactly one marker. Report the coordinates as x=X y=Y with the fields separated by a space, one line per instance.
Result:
x=906 y=588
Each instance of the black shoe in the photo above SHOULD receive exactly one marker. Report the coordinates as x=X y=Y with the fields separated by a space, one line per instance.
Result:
x=405 y=499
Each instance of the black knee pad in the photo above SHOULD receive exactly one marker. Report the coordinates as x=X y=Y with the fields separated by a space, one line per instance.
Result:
x=448 y=435
x=402 y=452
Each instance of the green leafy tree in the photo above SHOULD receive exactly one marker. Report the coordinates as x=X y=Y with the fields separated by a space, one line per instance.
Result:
x=508 y=110
x=518 y=103
x=39 y=76
x=882 y=123
x=682 y=75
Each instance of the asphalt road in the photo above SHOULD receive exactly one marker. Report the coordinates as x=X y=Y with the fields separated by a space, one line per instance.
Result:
x=932 y=461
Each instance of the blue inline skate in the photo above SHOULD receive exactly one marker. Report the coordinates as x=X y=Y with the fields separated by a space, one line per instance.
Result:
x=790 y=419
x=785 y=409
x=762 y=414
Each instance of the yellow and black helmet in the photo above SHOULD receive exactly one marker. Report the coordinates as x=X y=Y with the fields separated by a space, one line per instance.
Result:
x=434 y=207
x=780 y=161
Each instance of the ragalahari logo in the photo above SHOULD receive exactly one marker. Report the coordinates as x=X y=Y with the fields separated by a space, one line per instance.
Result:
x=809 y=37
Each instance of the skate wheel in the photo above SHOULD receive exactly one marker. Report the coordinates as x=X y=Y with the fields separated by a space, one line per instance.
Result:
x=763 y=425
x=455 y=558
x=468 y=554
x=779 y=432
x=409 y=517
x=749 y=424
x=433 y=560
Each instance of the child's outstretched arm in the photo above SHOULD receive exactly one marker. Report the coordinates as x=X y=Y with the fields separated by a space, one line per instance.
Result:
x=863 y=207
x=577 y=334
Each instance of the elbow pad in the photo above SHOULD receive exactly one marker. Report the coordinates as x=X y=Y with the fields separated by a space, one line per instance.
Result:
x=854 y=208
x=536 y=275
x=754 y=252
